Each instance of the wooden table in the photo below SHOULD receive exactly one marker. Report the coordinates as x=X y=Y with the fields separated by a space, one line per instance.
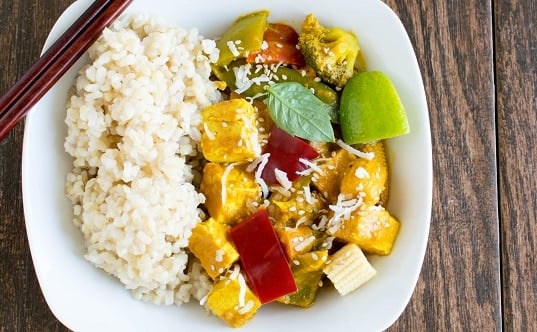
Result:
x=479 y=64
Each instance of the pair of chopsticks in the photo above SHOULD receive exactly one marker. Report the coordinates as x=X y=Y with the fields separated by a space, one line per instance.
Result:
x=56 y=61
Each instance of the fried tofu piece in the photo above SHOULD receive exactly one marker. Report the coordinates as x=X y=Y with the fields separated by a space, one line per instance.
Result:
x=373 y=229
x=232 y=300
x=379 y=150
x=264 y=120
x=328 y=182
x=366 y=178
x=296 y=240
x=229 y=132
x=210 y=244
x=229 y=192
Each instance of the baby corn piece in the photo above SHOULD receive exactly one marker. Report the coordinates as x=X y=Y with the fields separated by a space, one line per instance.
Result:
x=348 y=269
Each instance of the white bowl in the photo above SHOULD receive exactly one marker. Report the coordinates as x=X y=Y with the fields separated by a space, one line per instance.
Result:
x=86 y=299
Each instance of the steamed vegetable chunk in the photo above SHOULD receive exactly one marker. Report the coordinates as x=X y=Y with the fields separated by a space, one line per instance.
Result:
x=301 y=206
x=262 y=257
x=232 y=300
x=229 y=132
x=331 y=52
x=229 y=191
x=243 y=37
x=287 y=157
x=373 y=229
x=279 y=46
x=308 y=272
x=209 y=242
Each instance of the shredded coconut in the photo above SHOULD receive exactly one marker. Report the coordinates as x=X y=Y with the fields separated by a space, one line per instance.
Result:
x=312 y=167
x=282 y=178
x=233 y=48
x=235 y=273
x=304 y=243
x=361 y=173
x=242 y=291
x=365 y=155
x=208 y=132
x=342 y=211
x=260 y=163
x=249 y=305
x=224 y=180
x=219 y=255
x=307 y=195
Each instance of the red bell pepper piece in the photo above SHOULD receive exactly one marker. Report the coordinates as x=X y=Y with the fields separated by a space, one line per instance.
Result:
x=281 y=40
x=285 y=153
x=262 y=257
x=283 y=33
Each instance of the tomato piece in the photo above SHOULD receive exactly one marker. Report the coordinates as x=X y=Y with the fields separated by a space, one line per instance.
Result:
x=285 y=153
x=281 y=47
x=262 y=257
x=283 y=33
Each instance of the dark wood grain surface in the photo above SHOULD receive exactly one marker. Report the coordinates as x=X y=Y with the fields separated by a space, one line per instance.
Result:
x=479 y=64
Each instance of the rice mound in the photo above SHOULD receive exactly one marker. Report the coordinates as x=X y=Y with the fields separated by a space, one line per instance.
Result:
x=133 y=122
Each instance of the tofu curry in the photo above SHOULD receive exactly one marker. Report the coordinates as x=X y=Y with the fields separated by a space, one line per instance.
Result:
x=288 y=211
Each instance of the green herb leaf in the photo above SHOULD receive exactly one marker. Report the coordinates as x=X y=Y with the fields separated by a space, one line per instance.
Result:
x=295 y=109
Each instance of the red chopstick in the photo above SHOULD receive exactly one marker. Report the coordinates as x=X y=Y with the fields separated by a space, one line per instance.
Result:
x=52 y=65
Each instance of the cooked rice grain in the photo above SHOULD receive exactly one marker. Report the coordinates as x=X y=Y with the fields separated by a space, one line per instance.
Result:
x=133 y=122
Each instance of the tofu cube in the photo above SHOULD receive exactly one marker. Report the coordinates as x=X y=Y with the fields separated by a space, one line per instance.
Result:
x=329 y=181
x=373 y=229
x=233 y=301
x=296 y=240
x=229 y=132
x=366 y=178
x=210 y=244
x=230 y=192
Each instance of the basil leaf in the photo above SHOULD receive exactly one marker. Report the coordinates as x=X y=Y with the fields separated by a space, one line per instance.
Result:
x=295 y=109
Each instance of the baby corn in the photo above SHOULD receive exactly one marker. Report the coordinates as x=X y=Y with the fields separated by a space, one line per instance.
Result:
x=348 y=269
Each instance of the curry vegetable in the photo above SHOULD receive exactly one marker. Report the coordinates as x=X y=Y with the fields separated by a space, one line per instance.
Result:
x=290 y=206
x=331 y=52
